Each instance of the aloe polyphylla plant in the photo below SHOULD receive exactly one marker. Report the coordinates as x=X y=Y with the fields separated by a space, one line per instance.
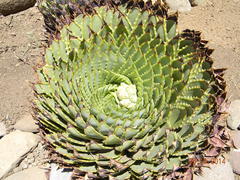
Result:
x=122 y=94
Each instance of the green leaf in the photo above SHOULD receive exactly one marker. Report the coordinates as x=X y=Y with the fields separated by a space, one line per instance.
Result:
x=112 y=140
x=173 y=117
x=171 y=29
x=74 y=132
x=92 y=133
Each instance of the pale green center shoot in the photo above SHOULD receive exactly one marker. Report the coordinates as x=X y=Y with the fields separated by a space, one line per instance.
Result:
x=127 y=95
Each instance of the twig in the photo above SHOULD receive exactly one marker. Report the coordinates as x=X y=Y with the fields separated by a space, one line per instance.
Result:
x=10 y=22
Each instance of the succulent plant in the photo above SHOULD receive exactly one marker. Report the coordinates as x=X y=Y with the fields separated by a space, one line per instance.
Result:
x=122 y=94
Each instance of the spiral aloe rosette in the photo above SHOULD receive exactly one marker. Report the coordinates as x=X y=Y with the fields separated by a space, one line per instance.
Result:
x=123 y=95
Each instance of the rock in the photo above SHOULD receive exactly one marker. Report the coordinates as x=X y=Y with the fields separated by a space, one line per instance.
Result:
x=233 y=120
x=26 y=123
x=216 y=172
x=3 y=130
x=13 y=6
x=57 y=173
x=197 y=2
x=236 y=138
x=29 y=174
x=13 y=147
x=179 y=5
x=234 y=158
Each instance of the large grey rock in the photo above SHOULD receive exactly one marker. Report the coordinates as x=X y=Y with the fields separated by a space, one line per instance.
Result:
x=26 y=123
x=234 y=158
x=234 y=115
x=29 y=174
x=3 y=129
x=13 y=6
x=179 y=5
x=219 y=171
x=13 y=147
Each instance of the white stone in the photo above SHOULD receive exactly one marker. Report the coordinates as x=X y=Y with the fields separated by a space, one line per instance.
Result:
x=3 y=130
x=57 y=173
x=33 y=173
x=13 y=147
x=236 y=138
x=179 y=5
x=234 y=115
x=219 y=171
x=234 y=158
x=26 y=123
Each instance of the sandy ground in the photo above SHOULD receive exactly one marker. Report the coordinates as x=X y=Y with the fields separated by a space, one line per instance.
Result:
x=20 y=51
x=20 y=40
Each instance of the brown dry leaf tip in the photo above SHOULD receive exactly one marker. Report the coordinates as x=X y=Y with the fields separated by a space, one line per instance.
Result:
x=224 y=106
x=188 y=175
x=216 y=142
x=103 y=173
x=212 y=152
x=195 y=161
x=178 y=175
x=77 y=174
x=117 y=165
x=90 y=176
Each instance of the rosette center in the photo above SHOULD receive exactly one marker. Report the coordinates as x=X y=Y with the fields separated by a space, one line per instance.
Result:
x=126 y=95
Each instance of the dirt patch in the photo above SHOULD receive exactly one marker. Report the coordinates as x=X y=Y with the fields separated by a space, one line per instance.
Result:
x=20 y=48
x=20 y=52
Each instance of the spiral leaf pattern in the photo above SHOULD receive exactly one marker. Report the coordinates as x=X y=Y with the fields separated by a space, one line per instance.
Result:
x=123 y=94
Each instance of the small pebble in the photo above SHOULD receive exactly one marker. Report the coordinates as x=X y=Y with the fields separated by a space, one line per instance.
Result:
x=236 y=139
x=24 y=165
x=179 y=5
x=197 y=2
x=26 y=123
x=3 y=130
x=233 y=120
x=234 y=158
